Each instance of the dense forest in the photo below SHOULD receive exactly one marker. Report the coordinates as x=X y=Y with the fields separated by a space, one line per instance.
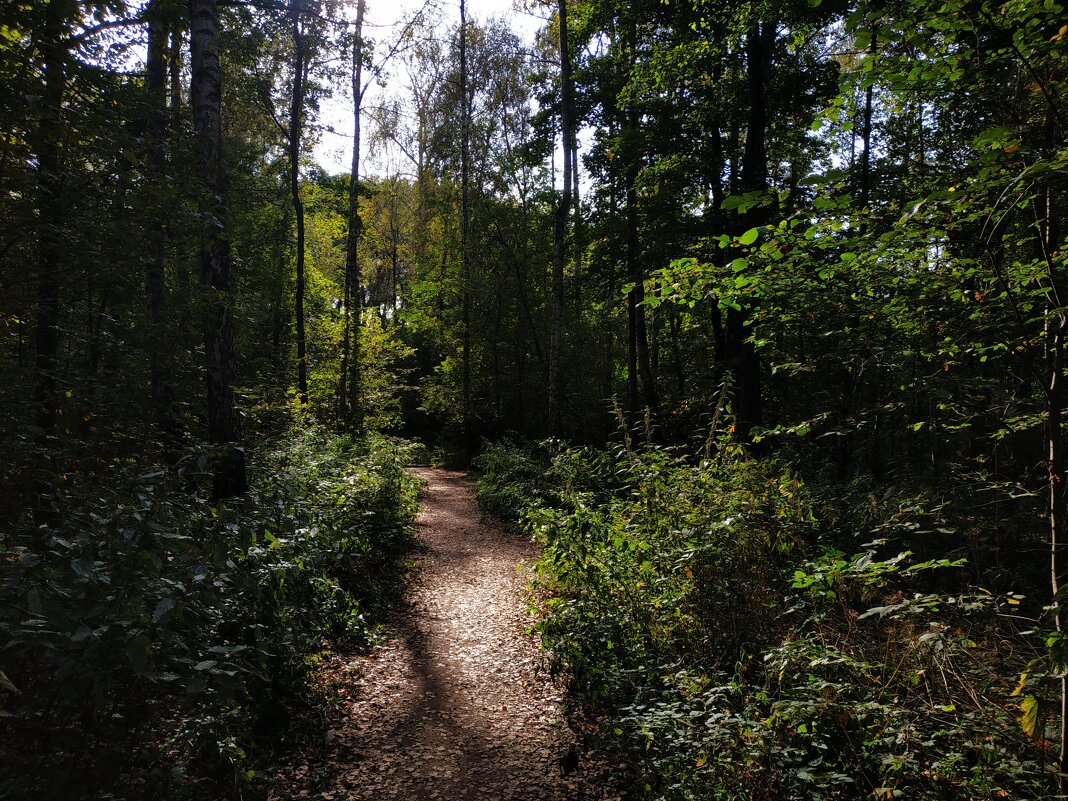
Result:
x=748 y=312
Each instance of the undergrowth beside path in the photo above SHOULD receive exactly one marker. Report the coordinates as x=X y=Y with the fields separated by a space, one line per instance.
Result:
x=743 y=636
x=158 y=645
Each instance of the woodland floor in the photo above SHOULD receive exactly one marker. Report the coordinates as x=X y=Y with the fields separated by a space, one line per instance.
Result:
x=451 y=705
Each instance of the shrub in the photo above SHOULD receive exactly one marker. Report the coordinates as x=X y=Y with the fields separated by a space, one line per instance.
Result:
x=194 y=624
x=708 y=612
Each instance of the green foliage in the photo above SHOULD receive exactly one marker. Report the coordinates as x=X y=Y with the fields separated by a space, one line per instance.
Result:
x=512 y=479
x=201 y=623
x=736 y=654
x=666 y=561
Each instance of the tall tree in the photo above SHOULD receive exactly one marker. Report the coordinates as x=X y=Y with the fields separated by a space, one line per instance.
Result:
x=349 y=392
x=296 y=131
x=465 y=222
x=162 y=388
x=741 y=352
x=563 y=207
x=224 y=422
x=50 y=182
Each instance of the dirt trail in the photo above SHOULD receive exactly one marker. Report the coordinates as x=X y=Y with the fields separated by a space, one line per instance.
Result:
x=452 y=706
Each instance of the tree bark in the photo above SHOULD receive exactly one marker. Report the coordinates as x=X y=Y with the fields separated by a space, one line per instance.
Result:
x=296 y=114
x=748 y=409
x=639 y=357
x=162 y=389
x=350 y=391
x=49 y=148
x=465 y=260
x=1056 y=334
x=865 y=159
x=224 y=422
x=567 y=130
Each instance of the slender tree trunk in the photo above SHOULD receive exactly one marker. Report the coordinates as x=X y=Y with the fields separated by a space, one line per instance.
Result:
x=162 y=388
x=578 y=246
x=639 y=331
x=394 y=261
x=296 y=119
x=754 y=177
x=174 y=66
x=640 y=367
x=567 y=126
x=865 y=158
x=1056 y=331
x=351 y=383
x=224 y=423
x=465 y=260
x=633 y=310
x=495 y=350
x=50 y=212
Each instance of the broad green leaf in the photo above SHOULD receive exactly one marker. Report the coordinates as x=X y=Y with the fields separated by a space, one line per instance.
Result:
x=749 y=237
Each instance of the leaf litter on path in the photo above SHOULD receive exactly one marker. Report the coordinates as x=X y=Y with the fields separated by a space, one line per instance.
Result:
x=451 y=707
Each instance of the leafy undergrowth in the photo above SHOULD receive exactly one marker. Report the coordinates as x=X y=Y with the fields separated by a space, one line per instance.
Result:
x=746 y=639
x=157 y=645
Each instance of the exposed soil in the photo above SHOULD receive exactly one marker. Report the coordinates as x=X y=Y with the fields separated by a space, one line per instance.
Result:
x=452 y=705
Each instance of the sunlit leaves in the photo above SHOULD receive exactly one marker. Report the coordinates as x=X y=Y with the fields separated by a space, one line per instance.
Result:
x=749 y=237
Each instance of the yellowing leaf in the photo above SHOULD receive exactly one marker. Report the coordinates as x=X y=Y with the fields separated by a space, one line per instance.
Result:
x=1029 y=716
x=1020 y=685
x=701 y=760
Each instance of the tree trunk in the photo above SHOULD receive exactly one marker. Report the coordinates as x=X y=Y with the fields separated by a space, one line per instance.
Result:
x=224 y=423
x=50 y=212
x=162 y=389
x=1056 y=330
x=748 y=409
x=865 y=159
x=567 y=129
x=351 y=404
x=296 y=113
x=465 y=264
x=639 y=332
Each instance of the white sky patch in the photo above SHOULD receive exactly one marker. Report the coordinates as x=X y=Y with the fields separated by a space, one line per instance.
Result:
x=383 y=21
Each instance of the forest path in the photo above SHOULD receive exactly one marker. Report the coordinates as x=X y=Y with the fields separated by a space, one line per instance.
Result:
x=451 y=707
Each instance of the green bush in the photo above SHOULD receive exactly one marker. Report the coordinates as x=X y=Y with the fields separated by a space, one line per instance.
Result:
x=662 y=561
x=733 y=652
x=199 y=624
